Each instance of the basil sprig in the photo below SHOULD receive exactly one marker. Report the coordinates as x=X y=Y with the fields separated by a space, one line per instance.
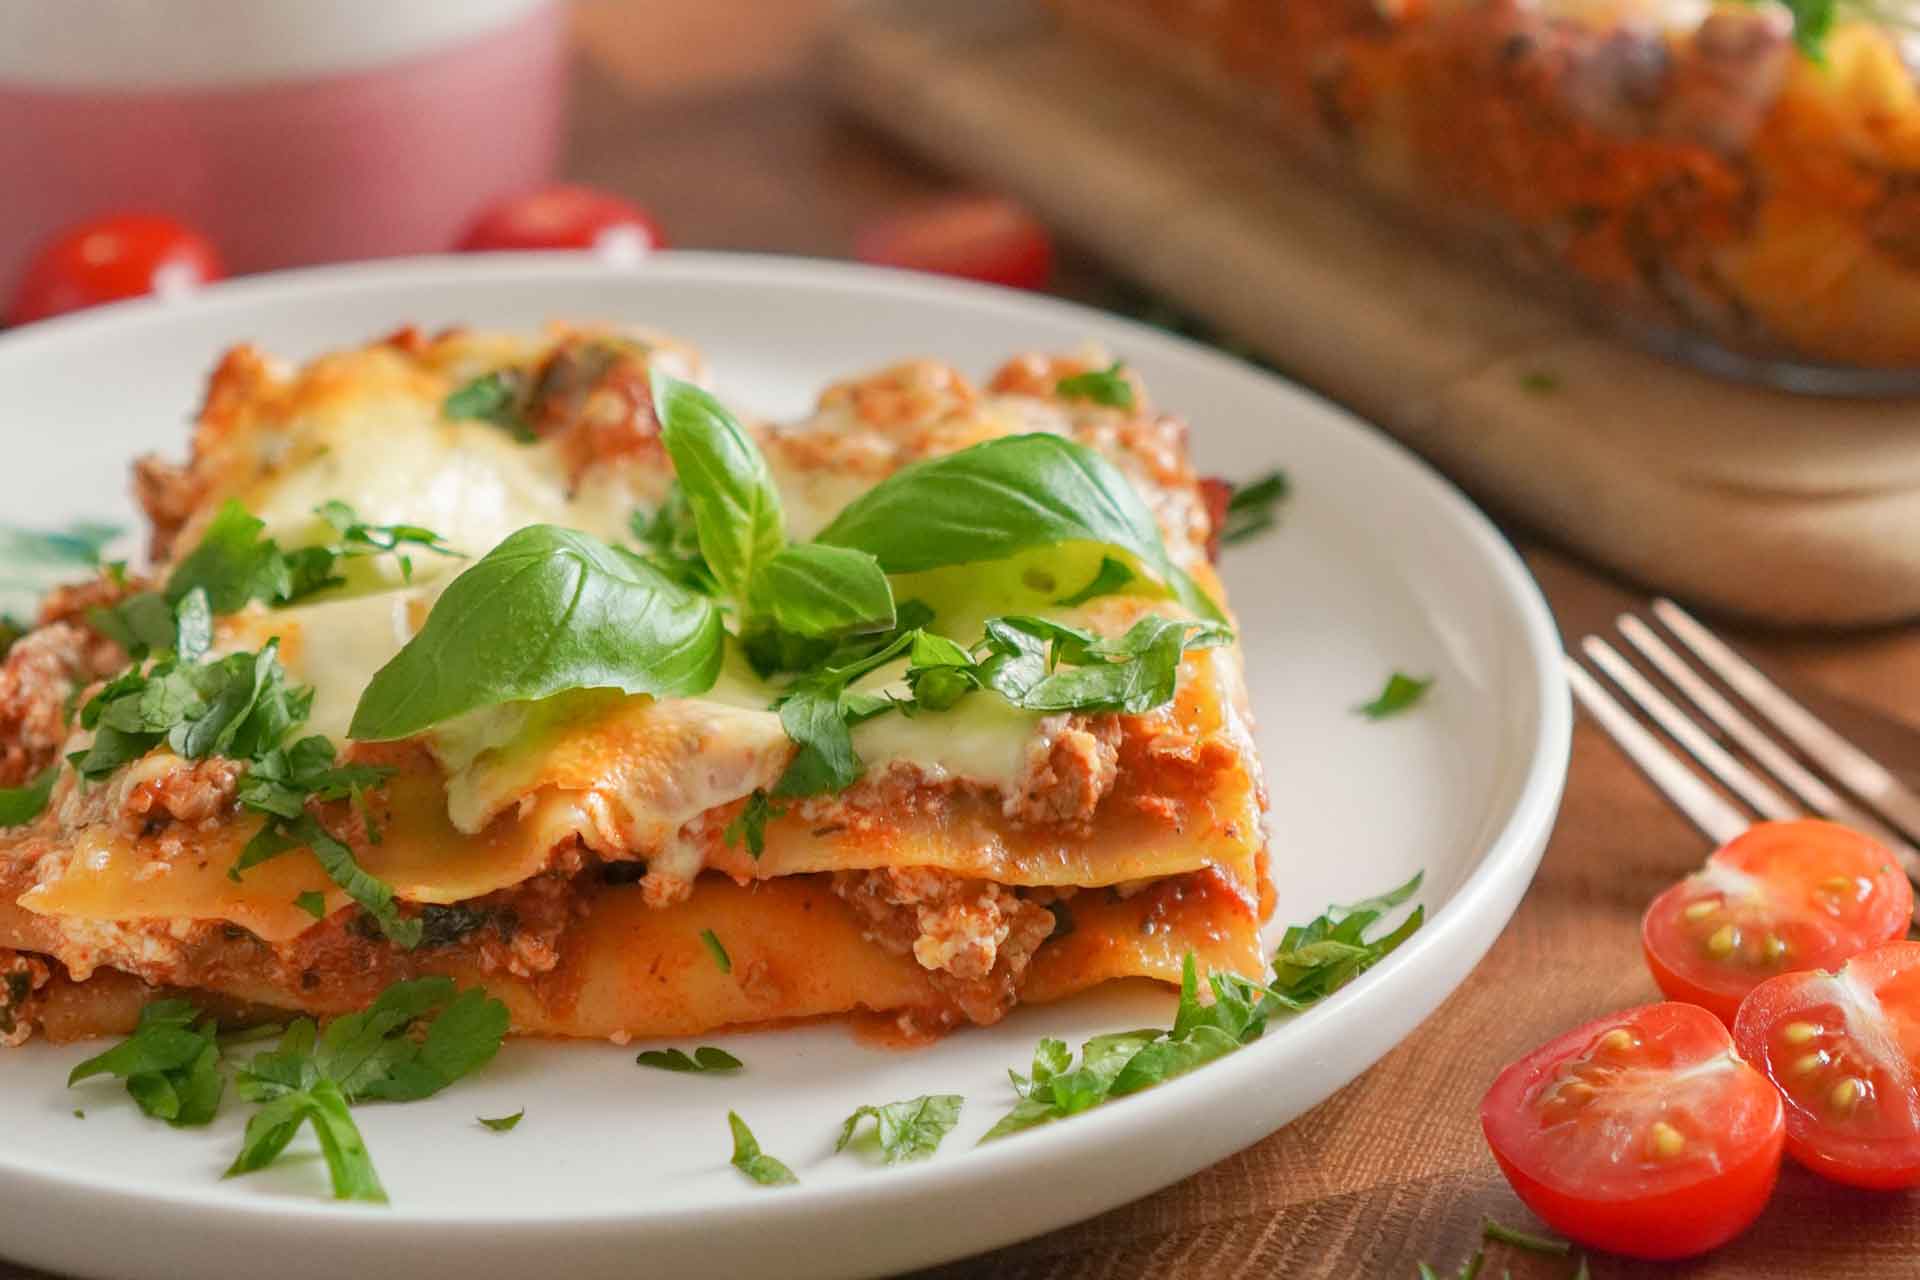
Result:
x=547 y=610
x=1000 y=498
x=793 y=597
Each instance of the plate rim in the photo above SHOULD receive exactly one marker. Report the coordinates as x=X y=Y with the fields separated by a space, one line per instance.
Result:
x=1483 y=901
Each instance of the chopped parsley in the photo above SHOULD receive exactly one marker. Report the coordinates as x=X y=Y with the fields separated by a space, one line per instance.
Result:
x=358 y=538
x=1400 y=693
x=749 y=825
x=313 y=903
x=750 y=1160
x=1313 y=961
x=412 y=1042
x=503 y=1124
x=1108 y=386
x=707 y=1058
x=721 y=959
x=1540 y=382
x=171 y=1064
x=21 y=805
x=499 y=397
x=907 y=1130
x=1250 y=511
x=672 y=542
x=1492 y=1232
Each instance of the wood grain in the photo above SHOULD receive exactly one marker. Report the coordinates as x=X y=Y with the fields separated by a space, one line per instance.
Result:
x=1391 y=1170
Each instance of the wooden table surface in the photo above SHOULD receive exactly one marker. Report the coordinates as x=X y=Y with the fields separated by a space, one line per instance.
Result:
x=715 y=120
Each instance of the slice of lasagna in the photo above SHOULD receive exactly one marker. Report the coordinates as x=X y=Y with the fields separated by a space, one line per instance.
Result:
x=521 y=661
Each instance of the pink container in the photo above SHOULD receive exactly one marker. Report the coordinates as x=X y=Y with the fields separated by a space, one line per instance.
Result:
x=290 y=131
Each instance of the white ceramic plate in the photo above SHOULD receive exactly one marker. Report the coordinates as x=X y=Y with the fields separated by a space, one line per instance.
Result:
x=620 y=1170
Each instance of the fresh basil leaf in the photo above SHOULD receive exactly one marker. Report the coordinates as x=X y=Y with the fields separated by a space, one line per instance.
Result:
x=499 y=398
x=820 y=591
x=1400 y=693
x=726 y=481
x=750 y=824
x=1004 y=496
x=504 y=1124
x=750 y=1160
x=1110 y=579
x=673 y=543
x=908 y=1130
x=21 y=805
x=1250 y=510
x=707 y=1058
x=547 y=610
x=170 y=1065
x=721 y=959
x=1107 y=386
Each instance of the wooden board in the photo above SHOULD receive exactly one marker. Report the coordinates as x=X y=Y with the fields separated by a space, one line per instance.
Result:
x=1781 y=507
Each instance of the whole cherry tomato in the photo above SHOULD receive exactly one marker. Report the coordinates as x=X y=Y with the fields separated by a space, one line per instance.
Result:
x=986 y=238
x=108 y=259
x=564 y=217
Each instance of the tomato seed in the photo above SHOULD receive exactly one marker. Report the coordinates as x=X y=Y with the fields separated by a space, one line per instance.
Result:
x=1668 y=1141
x=1799 y=1032
x=1722 y=941
x=1702 y=909
x=1810 y=1063
x=1845 y=1094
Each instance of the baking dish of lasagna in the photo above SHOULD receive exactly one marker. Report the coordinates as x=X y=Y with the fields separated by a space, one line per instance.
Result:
x=1731 y=182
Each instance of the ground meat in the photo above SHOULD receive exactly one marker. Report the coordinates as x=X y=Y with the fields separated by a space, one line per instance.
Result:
x=973 y=937
x=909 y=394
x=22 y=978
x=74 y=602
x=192 y=793
x=41 y=672
x=1070 y=767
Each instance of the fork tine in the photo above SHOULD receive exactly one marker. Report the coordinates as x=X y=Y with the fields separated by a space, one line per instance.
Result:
x=1803 y=782
x=1702 y=805
x=1682 y=728
x=1853 y=768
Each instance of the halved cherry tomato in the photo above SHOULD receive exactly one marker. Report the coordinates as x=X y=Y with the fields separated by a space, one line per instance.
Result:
x=1784 y=896
x=977 y=237
x=1642 y=1133
x=1844 y=1050
x=564 y=217
x=108 y=259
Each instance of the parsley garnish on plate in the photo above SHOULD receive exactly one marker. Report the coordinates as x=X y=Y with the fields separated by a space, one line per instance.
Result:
x=412 y=1042
x=171 y=1064
x=1313 y=961
x=721 y=959
x=1108 y=386
x=750 y=1160
x=907 y=1130
x=503 y=1124
x=498 y=398
x=1250 y=510
x=1400 y=693
x=1492 y=1232
x=707 y=1058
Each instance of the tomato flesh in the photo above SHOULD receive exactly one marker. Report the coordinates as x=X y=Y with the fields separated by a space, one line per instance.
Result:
x=1643 y=1133
x=1784 y=896
x=1844 y=1050
x=975 y=237
x=564 y=217
x=111 y=259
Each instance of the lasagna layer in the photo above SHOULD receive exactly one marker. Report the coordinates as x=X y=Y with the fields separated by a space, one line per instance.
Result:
x=570 y=854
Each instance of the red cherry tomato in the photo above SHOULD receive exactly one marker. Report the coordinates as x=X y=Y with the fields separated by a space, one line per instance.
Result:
x=1784 y=896
x=564 y=217
x=986 y=238
x=1643 y=1133
x=1844 y=1050
x=108 y=259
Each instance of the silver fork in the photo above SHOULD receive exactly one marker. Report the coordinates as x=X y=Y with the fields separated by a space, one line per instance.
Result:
x=1862 y=793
